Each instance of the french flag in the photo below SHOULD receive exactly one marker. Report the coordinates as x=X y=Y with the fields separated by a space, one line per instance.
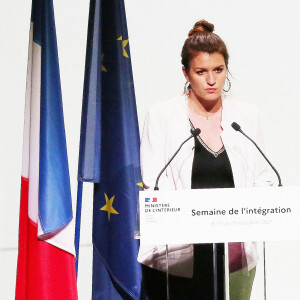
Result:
x=46 y=259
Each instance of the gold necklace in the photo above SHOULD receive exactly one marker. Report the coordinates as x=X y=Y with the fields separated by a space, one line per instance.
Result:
x=207 y=116
x=201 y=114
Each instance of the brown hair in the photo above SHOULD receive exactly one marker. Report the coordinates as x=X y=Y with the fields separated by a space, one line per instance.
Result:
x=202 y=39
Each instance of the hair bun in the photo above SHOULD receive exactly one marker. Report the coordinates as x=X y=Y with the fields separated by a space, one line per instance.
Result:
x=201 y=26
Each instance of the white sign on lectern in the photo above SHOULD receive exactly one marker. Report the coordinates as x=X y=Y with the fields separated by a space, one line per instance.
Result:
x=220 y=215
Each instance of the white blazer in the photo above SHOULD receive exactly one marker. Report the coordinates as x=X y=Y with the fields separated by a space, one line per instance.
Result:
x=166 y=127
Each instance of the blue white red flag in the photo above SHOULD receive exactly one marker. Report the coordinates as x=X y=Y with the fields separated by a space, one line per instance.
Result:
x=109 y=152
x=46 y=261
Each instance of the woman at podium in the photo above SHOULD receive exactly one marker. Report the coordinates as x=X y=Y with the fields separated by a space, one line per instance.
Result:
x=217 y=158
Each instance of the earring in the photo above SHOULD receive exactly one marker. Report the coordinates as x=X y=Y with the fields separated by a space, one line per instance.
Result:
x=229 y=85
x=187 y=88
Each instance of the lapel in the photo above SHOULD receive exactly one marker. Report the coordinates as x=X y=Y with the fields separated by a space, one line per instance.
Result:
x=181 y=167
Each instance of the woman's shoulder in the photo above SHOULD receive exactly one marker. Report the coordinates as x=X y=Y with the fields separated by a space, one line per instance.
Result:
x=243 y=113
x=169 y=106
x=239 y=104
x=242 y=108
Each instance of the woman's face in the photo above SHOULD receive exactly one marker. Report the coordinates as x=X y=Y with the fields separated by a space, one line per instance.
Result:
x=207 y=75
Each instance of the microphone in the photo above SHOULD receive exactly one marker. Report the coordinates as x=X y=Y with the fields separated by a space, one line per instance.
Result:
x=237 y=127
x=194 y=133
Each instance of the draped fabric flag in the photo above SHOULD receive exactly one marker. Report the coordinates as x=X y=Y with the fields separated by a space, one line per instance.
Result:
x=46 y=262
x=109 y=152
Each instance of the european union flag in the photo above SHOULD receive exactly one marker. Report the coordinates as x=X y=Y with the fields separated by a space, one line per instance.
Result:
x=109 y=152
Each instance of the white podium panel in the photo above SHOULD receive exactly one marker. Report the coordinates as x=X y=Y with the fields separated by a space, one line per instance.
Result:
x=220 y=215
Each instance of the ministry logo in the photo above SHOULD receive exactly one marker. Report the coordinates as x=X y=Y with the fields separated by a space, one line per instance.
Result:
x=149 y=200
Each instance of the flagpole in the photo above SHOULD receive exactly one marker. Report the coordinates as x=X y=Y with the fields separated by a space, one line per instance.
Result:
x=78 y=221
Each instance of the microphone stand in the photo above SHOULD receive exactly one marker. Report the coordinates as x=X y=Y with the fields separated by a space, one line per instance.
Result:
x=237 y=127
x=194 y=133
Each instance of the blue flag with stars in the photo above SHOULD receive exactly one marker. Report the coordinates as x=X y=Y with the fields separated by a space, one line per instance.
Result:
x=109 y=152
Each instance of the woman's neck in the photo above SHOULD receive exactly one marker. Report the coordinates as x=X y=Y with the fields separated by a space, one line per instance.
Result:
x=199 y=105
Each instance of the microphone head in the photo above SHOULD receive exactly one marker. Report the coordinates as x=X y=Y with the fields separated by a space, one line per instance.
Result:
x=236 y=126
x=195 y=132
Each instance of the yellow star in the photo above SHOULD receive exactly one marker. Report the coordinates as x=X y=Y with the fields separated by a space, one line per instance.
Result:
x=140 y=184
x=103 y=69
x=124 y=44
x=108 y=206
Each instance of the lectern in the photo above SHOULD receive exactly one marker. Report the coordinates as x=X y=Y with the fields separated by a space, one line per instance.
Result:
x=177 y=219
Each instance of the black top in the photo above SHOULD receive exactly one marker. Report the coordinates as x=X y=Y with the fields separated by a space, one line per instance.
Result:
x=210 y=169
